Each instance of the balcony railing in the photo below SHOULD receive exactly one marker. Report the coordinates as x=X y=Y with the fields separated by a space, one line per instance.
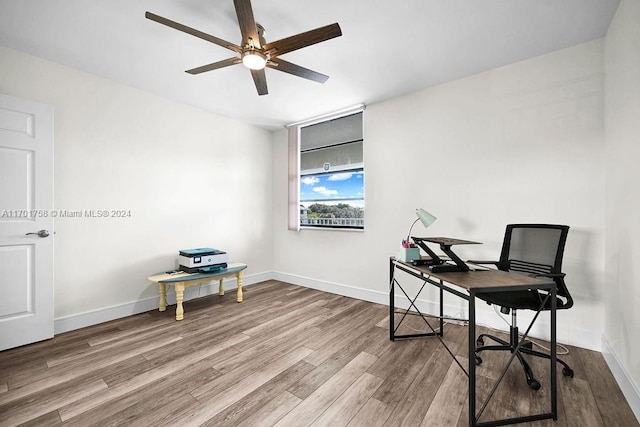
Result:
x=333 y=222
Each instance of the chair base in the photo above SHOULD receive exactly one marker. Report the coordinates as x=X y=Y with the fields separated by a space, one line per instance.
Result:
x=525 y=348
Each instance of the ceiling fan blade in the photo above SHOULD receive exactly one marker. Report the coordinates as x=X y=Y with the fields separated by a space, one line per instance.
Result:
x=214 y=65
x=287 y=67
x=260 y=79
x=204 y=36
x=305 y=39
x=247 y=23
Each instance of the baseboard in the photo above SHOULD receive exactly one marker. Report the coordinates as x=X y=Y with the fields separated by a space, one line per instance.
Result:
x=82 y=320
x=629 y=388
x=334 y=288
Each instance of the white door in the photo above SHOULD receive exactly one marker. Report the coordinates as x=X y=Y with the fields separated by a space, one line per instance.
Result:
x=26 y=203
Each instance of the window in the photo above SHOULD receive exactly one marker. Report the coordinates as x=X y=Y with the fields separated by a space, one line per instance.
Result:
x=330 y=175
x=332 y=199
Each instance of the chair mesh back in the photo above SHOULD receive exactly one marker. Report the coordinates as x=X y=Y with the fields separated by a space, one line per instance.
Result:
x=534 y=249
x=528 y=267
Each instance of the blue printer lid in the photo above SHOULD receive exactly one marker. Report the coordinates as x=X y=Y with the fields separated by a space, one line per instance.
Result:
x=200 y=252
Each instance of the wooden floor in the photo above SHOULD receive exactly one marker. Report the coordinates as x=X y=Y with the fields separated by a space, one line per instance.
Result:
x=287 y=355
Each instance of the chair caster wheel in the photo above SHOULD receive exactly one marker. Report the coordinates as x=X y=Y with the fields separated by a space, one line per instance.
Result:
x=567 y=372
x=478 y=360
x=535 y=385
x=480 y=342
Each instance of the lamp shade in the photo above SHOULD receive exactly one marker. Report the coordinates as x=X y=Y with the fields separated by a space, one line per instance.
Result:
x=425 y=217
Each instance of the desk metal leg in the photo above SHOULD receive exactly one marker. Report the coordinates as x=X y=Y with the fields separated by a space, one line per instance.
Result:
x=441 y=310
x=472 y=359
x=391 y=300
x=393 y=327
x=554 y=358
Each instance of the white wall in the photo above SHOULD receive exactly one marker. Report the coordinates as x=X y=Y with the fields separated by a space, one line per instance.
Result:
x=622 y=207
x=524 y=142
x=188 y=177
x=521 y=143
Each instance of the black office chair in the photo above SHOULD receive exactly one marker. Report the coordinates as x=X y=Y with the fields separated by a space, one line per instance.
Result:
x=537 y=250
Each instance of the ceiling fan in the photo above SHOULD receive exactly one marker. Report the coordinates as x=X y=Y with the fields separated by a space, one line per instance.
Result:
x=254 y=52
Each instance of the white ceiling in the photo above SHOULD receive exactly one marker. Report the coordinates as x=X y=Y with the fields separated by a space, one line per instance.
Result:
x=388 y=48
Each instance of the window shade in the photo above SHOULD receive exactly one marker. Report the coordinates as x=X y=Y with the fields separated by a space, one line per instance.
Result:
x=294 y=184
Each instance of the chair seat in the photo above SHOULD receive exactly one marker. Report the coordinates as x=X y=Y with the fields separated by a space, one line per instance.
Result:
x=519 y=300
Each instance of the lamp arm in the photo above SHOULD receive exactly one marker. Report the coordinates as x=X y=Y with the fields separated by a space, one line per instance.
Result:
x=411 y=228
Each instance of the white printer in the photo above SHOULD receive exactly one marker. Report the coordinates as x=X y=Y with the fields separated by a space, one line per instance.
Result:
x=202 y=260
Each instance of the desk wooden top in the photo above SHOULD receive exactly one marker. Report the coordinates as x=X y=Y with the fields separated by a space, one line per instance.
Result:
x=232 y=268
x=482 y=280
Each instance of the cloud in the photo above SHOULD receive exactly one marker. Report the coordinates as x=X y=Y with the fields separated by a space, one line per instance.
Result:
x=310 y=180
x=325 y=191
x=340 y=176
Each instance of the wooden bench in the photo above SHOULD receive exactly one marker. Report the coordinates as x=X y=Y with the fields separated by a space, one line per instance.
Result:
x=180 y=281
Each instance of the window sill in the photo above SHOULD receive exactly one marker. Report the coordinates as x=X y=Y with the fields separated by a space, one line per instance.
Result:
x=310 y=227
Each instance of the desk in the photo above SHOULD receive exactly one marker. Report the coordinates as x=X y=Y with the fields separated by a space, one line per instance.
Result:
x=183 y=280
x=466 y=285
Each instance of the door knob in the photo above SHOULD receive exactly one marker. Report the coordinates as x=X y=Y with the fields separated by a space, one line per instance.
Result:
x=41 y=233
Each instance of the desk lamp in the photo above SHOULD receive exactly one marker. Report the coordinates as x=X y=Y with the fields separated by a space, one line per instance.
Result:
x=409 y=252
x=425 y=217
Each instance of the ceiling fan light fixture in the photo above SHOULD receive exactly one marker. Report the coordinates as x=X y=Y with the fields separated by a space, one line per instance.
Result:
x=254 y=59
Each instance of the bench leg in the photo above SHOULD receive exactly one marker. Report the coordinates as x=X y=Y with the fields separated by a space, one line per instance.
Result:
x=179 y=299
x=162 y=288
x=239 y=278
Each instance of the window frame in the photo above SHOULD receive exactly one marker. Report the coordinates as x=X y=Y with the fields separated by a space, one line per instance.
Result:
x=295 y=174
